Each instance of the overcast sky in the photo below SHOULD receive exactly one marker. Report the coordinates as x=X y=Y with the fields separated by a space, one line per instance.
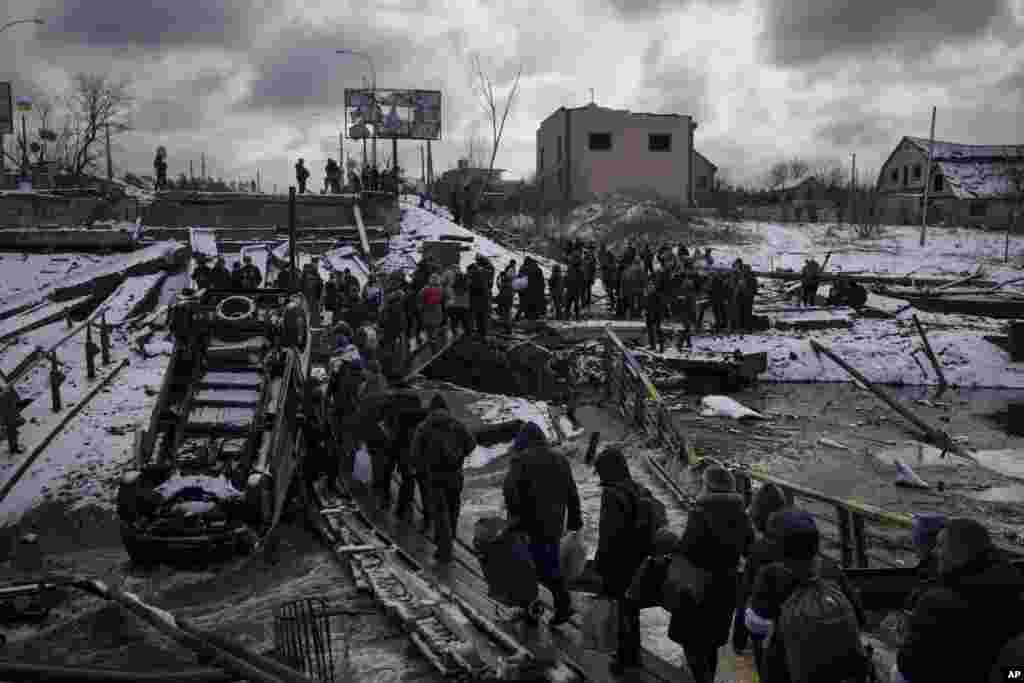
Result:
x=765 y=79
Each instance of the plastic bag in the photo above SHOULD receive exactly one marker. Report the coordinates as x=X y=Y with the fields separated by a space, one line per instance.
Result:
x=601 y=625
x=362 y=469
x=572 y=556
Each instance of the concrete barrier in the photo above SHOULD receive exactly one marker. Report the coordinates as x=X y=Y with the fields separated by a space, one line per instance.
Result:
x=228 y=210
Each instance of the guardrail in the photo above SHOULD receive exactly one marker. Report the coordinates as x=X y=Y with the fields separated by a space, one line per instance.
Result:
x=860 y=534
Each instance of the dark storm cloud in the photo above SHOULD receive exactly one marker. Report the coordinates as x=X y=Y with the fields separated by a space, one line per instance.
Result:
x=151 y=24
x=646 y=9
x=311 y=75
x=681 y=87
x=802 y=32
x=858 y=132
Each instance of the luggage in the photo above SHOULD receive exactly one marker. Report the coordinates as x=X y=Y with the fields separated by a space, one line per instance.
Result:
x=601 y=625
x=505 y=558
x=572 y=556
x=685 y=583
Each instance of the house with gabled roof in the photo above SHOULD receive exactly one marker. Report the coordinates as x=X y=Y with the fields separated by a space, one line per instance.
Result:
x=969 y=185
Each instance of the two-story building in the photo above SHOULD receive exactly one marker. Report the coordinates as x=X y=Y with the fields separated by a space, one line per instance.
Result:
x=592 y=150
x=970 y=184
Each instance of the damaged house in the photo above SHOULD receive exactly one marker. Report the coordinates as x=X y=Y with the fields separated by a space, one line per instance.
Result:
x=593 y=150
x=972 y=185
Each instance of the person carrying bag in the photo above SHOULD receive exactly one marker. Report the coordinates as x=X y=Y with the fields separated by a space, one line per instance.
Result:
x=702 y=579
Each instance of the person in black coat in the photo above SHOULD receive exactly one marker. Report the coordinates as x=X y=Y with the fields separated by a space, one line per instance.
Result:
x=959 y=626
x=220 y=276
x=539 y=493
x=798 y=543
x=718 y=532
x=619 y=553
x=765 y=550
x=439 y=448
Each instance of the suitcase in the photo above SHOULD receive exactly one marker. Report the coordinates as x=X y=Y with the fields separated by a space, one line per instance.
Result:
x=505 y=558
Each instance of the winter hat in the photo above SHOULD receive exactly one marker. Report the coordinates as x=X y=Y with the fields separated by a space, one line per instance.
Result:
x=719 y=480
x=528 y=436
x=797 y=533
x=768 y=499
x=438 y=403
x=926 y=528
x=611 y=465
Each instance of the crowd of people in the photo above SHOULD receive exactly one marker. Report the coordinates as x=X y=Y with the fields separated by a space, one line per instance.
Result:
x=369 y=179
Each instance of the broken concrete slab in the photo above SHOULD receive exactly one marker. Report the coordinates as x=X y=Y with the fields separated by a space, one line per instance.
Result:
x=101 y=280
x=813 y=319
x=133 y=297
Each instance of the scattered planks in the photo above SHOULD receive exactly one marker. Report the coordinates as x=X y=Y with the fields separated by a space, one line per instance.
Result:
x=936 y=436
x=931 y=355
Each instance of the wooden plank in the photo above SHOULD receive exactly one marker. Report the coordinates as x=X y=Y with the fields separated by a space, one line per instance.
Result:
x=41 y=317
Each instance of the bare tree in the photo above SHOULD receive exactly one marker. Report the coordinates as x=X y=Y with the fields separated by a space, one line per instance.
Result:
x=95 y=103
x=798 y=168
x=778 y=174
x=497 y=118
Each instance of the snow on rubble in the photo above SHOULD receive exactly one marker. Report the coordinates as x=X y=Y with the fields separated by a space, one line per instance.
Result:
x=419 y=225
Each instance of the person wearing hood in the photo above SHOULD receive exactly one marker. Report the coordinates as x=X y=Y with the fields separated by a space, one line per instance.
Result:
x=540 y=493
x=439 y=447
x=619 y=555
x=765 y=550
x=718 y=532
x=959 y=625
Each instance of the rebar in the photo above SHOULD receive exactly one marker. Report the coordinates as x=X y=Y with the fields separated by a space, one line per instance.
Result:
x=302 y=637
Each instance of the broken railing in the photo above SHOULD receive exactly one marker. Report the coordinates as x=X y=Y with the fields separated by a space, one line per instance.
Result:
x=864 y=535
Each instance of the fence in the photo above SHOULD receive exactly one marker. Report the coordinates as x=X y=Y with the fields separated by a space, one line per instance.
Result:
x=862 y=535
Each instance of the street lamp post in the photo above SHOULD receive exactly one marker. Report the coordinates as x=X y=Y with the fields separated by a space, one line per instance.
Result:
x=40 y=22
x=373 y=88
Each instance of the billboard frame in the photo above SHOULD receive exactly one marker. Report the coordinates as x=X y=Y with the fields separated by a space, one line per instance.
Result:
x=410 y=94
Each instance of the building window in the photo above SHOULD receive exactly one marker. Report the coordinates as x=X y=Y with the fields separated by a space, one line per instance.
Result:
x=540 y=162
x=978 y=209
x=906 y=175
x=917 y=171
x=895 y=175
x=559 y=149
x=702 y=182
x=659 y=142
x=937 y=185
x=600 y=141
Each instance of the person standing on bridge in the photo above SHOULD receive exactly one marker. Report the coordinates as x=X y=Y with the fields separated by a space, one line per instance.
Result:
x=251 y=275
x=220 y=276
x=301 y=175
x=440 y=446
x=540 y=493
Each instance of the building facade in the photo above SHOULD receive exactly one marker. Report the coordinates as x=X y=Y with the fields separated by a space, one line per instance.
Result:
x=703 y=179
x=592 y=150
x=969 y=184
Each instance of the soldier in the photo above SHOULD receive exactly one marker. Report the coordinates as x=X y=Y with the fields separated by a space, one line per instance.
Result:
x=301 y=175
x=251 y=276
x=201 y=274
x=809 y=282
x=9 y=410
x=312 y=287
x=220 y=276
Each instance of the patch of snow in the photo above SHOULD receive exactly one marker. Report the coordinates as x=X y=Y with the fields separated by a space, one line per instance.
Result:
x=485 y=455
x=219 y=486
x=494 y=409
x=124 y=301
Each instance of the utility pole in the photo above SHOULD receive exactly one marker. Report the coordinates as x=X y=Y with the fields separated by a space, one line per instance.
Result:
x=191 y=175
x=423 y=165
x=592 y=96
x=110 y=162
x=202 y=165
x=927 y=179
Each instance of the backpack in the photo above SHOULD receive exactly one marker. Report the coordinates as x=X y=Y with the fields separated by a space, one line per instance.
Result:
x=649 y=515
x=820 y=635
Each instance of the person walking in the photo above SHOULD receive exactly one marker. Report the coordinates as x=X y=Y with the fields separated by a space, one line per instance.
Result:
x=220 y=276
x=160 y=168
x=619 y=550
x=431 y=305
x=542 y=500
x=440 y=446
x=480 y=284
x=312 y=287
x=718 y=532
x=251 y=275
x=301 y=175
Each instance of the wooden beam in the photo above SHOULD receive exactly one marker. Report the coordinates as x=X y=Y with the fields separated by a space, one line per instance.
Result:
x=931 y=355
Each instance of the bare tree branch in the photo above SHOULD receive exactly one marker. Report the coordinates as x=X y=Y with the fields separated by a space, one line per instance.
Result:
x=489 y=101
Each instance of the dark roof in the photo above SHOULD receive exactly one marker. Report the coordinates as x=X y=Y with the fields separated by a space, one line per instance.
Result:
x=954 y=151
x=706 y=160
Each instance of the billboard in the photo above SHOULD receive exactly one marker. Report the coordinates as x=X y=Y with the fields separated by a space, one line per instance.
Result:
x=402 y=114
x=6 y=109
